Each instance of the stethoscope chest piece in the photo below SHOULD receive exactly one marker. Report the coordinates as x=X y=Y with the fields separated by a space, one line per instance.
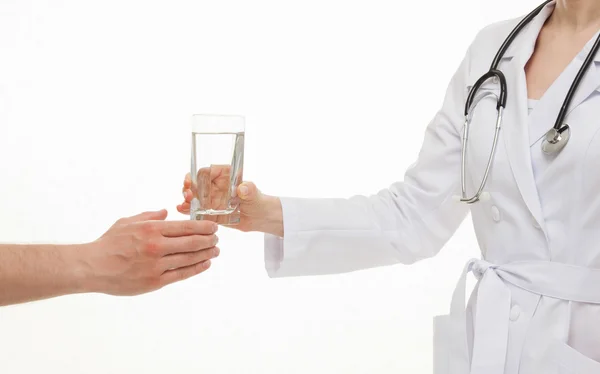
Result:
x=555 y=140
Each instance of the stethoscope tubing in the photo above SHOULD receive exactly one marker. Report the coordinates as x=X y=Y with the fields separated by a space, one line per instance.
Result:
x=555 y=139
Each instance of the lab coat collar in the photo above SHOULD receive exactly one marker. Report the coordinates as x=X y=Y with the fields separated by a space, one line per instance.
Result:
x=588 y=47
x=522 y=44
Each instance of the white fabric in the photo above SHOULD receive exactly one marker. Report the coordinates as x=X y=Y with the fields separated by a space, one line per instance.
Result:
x=531 y=104
x=494 y=311
x=542 y=209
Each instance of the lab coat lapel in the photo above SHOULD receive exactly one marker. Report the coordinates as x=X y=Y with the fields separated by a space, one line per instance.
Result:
x=589 y=83
x=516 y=137
x=591 y=80
x=547 y=110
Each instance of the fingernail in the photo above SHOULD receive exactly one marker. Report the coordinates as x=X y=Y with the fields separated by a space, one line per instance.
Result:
x=215 y=227
x=216 y=251
x=244 y=190
x=215 y=240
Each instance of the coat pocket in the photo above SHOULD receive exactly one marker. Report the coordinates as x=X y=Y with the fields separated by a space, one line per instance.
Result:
x=571 y=361
x=450 y=354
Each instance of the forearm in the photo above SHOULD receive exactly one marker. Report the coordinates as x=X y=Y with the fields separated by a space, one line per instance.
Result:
x=337 y=235
x=34 y=272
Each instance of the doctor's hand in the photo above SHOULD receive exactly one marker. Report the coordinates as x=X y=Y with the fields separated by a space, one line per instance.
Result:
x=258 y=211
x=143 y=253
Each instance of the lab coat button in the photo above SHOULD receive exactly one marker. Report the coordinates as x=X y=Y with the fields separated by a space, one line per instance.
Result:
x=495 y=214
x=515 y=312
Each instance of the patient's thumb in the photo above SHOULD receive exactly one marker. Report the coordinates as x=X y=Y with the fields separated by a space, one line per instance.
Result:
x=248 y=192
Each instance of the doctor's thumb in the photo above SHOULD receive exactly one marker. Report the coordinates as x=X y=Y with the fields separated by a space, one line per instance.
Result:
x=248 y=192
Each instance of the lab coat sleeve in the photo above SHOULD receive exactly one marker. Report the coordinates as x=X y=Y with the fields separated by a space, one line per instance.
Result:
x=409 y=221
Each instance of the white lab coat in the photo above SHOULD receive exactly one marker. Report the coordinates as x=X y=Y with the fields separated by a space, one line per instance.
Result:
x=537 y=303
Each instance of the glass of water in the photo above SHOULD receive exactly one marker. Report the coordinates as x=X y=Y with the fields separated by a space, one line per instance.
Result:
x=216 y=167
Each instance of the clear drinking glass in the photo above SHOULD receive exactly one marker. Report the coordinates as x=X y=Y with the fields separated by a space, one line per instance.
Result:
x=216 y=167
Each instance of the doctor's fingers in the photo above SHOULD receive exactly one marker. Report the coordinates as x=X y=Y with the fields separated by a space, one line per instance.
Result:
x=213 y=172
x=249 y=193
x=187 y=181
x=181 y=260
x=186 y=189
x=184 y=208
x=188 y=195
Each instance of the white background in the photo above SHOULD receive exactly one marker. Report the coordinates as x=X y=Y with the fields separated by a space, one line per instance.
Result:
x=95 y=105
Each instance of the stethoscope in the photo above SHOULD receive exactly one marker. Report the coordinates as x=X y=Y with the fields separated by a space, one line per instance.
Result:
x=555 y=139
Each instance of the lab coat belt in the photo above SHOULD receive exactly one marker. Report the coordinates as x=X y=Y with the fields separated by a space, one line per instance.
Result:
x=546 y=278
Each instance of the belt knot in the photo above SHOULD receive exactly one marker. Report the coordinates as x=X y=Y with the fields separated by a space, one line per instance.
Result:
x=479 y=267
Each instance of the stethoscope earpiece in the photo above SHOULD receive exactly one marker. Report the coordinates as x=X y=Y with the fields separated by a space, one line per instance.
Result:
x=555 y=140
